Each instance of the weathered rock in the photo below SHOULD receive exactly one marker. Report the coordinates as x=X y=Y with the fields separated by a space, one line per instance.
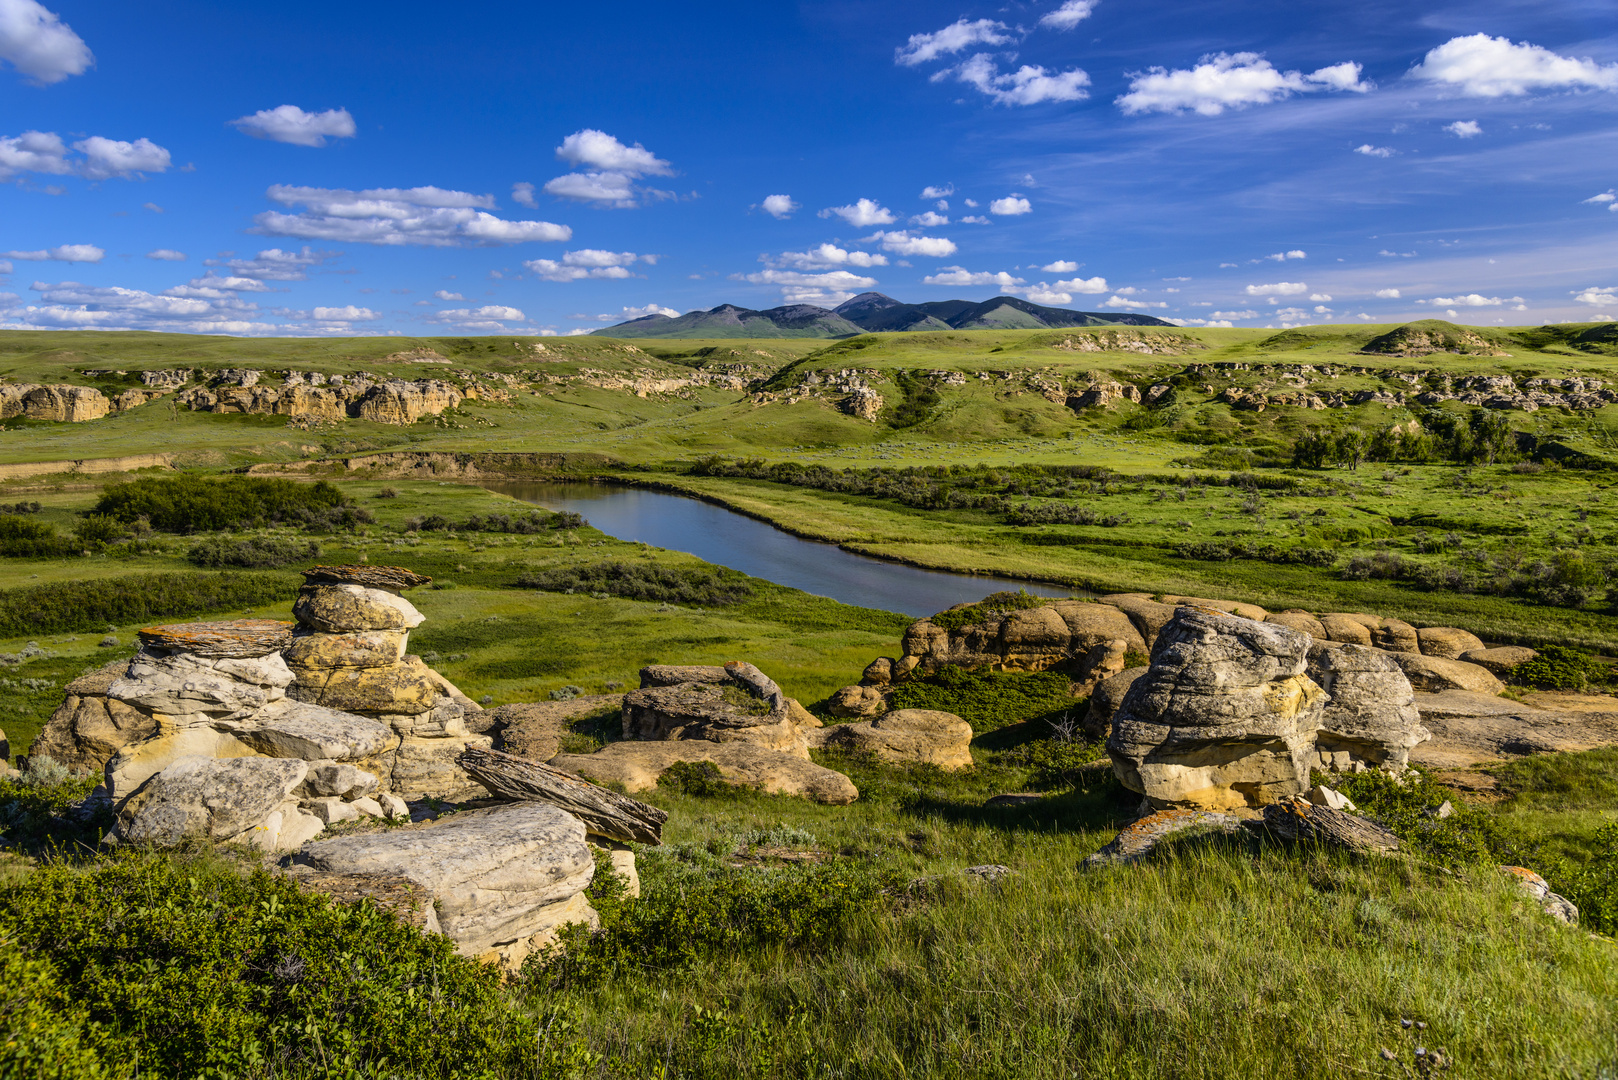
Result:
x=1297 y=818
x=675 y=674
x=1224 y=717
x=236 y=638
x=294 y=729
x=342 y=609
x=1325 y=796
x=425 y=768
x=1301 y=621
x=365 y=649
x=857 y=701
x=716 y=712
x=330 y=811
x=535 y=730
x=1499 y=660
x=1137 y=841
x=404 y=689
x=1229 y=607
x=1346 y=629
x=637 y=766
x=878 y=672
x=1371 y=716
x=604 y=813
x=907 y=737
x=206 y=797
x=1106 y=698
x=1538 y=889
x=132 y=766
x=338 y=779
x=1469 y=728
x=502 y=881
x=88 y=728
x=1433 y=674
x=1145 y=614
x=180 y=688
x=391 y=578
x=65 y=404
x=1024 y=639
x=1395 y=635
x=1446 y=642
x=1091 y=624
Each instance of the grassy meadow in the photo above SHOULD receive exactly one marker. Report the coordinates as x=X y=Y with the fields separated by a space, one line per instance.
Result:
x=780 y=938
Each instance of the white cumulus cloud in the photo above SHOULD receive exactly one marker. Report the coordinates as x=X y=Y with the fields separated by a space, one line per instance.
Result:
x=930 y=192
x=1083 y=285
x=641 y=312
x=862 y=214
x=273 y=264
x=1060 y=266
x=1030 y=84
x=347 y=313
x=1387 y=294
x=1283 y=256
x=166 y=255
x=929 y=220
x=1069 y=15
x=1235 y=314
x=1482 y=66
x=1375 y=151
x=906 y=243
x=522 y=193
x=1010 y=206
x=953 y=38
x=1464 y=129
x=104 y=158
x=610 y=169
x=780 y=206
x=1474 y=300
x=836 y=279
x=587 y=263
x=1609 y=198
x=445 y=294
x=290 y=124
x=33 y=151
x=1125 y=302
x=959 y=275
x=1598 y=294
x=491 y=318
x=35 y=41
x=424 y=216
x=1231 y=81
x=1279 y=288
x=826 y=257
x=73 y=253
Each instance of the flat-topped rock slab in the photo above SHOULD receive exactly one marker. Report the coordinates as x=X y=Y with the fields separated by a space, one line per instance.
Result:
x=372 y=577
x=230 y=639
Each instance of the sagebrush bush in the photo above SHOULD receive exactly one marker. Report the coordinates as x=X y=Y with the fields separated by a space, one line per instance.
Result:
x=705 y=586
x=189 y=504
x=21 y=538
x=64 y=606
x=253 y=553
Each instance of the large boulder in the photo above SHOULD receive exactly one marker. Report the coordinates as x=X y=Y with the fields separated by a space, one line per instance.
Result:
x=182 y=688
x=293 y=729
x=397 y=401
x=744 y=706
x=1346 y=628
x=1395 y=635
x=906 y=737
x=347 y=608
x=1446 y=642
x=1229 y=607
x=1301 y=621
x=1148 y=616
x=637 y=766
x=1499 y=660
x=502 y=881
x=1370 y=719
x=403 y=689
x=1106 y=698
x=1432 y=674
x=207 y=798
x=857 y=701
x=89 y=728
x=1224 y=717
x=1021 y=639
x=535 y=730
x=362 y=649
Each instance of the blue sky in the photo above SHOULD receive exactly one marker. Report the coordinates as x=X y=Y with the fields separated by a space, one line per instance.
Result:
x=548 y=169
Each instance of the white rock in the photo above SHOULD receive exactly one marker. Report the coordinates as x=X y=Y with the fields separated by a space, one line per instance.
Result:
x=368 y=807
x=297 y=829
x=332 y=810
x=311 y=732
x=134 y=765
x=1325 y=796
x=198 y=796
x=392 y=806
x=340 y=779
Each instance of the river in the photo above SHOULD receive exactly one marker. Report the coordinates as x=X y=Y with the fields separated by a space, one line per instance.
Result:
x=754 y=547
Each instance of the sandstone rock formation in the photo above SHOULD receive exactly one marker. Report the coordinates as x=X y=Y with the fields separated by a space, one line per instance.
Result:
x=399 y=402
x=59 y=402
x=1023 y=639
x=1370 y=719
x=502 y=881
x=1138 y=840
x=1498 y=660
x=906 y=737
x=1432 y=674
x=534 y=730
x=1224 y=717
x=393 y=401
x=1446 y=642
x=1301 y=621
x=735 y=703
x=88 y=728
x=1106 y=698
x=858 y=701
x=637 y=766
x=1469 y=728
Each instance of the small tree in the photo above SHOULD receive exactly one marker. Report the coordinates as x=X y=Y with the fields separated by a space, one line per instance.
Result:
x=1352 y=446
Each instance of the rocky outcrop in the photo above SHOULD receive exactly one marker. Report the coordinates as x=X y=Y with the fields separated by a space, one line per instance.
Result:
x=399 y=402
x=58 y=402
x=1106 y=698
x=209 y=798
x=169 y=379
x=1138 y=840
x=1446 y=642
x=1432 y=674
x=535 y=730
x=1370 y=720
x=735 y=703
x=1499 y=660
x=855 y=702
x=305 y=398
x=906 y=737
x=1023 y=639
x=1469 y=728
x=1301 y=621
x=502 y=881
x=1538 y=889
x=1224 y=717
x=637 y=766
x=89 y=728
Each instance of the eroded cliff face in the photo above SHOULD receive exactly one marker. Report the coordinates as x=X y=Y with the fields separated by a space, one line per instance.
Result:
x=328 y=400
x=58 y=401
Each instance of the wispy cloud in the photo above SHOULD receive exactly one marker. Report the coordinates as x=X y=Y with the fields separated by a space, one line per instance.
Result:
x=422 y=216
x=290 y=124
x=1231 y=81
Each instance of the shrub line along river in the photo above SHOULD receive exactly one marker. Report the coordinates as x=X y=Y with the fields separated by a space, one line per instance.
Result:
x=728 y=538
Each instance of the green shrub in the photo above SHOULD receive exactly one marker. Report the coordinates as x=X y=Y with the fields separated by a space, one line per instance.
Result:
x=198 y=970
x=700 y=778
x=66 y=606
x=994 y=604
x=21 y=538
x=985 y=699
x=32 y=808
x=706 y=586
x=254 y=553
x=1559 y=668
x=919 y=399
x=187 y=504
x=44 y=1033
x=95 y=531
x=1408 y=808
x=535 y=521
x=1593 y=884
x=694 y=908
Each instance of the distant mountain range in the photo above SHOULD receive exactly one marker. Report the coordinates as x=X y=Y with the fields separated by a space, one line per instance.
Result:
x=866 y=313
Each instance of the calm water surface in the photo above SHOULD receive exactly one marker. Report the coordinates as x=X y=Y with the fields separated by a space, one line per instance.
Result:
x=730 y=539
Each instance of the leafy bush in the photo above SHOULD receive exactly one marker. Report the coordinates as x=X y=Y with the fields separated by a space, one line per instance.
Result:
x=1408 y=808
x=919 y=399
x=24 y=539
x=706 y=586
x=1214 y=551
x=699 y=778
x=95 y=531
x=187 y=504
x=1559 y=668
x=254 y=553
x=201 y=971
x=985 y=699
x=65 y=606
x=35 y=808
x=535 y=521
x=44 y=1033
x=21 y=508
x=695 y=908
x=994 y=604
